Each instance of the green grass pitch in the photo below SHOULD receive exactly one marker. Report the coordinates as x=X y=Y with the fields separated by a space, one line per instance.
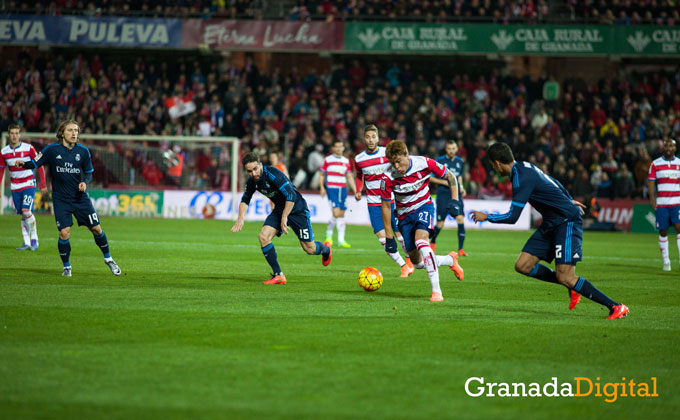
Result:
x=190 y=331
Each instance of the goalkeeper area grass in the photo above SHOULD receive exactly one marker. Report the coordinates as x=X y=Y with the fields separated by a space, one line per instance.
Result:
x=190 y=331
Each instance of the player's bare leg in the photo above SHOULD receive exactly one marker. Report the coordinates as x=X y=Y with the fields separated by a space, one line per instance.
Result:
x=530 y=266
x=317 y=248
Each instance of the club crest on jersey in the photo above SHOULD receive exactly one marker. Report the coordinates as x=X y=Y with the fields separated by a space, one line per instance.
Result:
x=77 y=156
x=39 y=156
x=382 y=184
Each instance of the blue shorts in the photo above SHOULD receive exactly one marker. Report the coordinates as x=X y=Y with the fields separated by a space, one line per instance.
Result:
x=299 y=221
x=422 y=218
x=23 y=199
x=562 y=243
x=337 y=197
x=375 y=214
x=81 y=207
x=444 y=208
x=667 y=216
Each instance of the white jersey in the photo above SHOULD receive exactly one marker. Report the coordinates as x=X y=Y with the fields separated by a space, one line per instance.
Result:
x=666 y=173
x=20 y=178
x=370 y=167
x=411 y=190
x=336 y=168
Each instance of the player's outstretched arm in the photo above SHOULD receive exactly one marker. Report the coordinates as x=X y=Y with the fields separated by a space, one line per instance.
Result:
x=479 y=216
x=242 y=209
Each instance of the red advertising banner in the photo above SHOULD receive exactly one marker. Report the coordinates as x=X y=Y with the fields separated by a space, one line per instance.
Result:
x=263 y=35
x=619 y=212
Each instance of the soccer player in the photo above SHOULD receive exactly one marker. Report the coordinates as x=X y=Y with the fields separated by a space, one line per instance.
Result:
x=22 y=183
x=289 y=208
x=560 y=235
x=71 y=172
x=335 y=174
x=444 y=208
x=408 y=177
x=370 y=165
x=666 y=202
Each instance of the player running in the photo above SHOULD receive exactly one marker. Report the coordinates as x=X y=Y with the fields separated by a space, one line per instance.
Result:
x=71 y=172
x=444 y=207
x=289 y=209
x=370 y=165
x=335 y=175
x=22 y=183
x=665 y=171
x=408 y=178
x=560 y=235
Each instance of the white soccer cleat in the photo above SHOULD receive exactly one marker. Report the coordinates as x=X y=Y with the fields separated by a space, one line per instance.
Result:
x=67 y=272
x=113 y=266
x=667 y=266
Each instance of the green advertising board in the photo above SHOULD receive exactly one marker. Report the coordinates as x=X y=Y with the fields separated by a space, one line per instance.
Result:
x=513 y=39
x=127 y=203
x=644 y=219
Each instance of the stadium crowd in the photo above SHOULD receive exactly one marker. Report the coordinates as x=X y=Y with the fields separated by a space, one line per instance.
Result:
x=622 y=12
x=597 y=139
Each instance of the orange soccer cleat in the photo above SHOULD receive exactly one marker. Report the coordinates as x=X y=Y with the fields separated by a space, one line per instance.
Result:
x=276 y=279
x=436 y=297
x=327 y=260
x=406 y=270
x=574 y=299
x=619 y=311
x=433 y=246
x=457 y=269
x=462 y=253
x=408 y=262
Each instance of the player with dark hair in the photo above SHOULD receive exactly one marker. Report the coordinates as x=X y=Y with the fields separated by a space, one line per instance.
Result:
x=289 y=209
x=560 y=235
x=22 y=183
x=664 y=176
x=370 y=165
x=408 y=178
x=71 y=171
x=444 y=207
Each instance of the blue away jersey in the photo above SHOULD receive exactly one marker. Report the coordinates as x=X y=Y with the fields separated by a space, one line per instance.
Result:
x=67 y=168
x=544 y=193
x=276 y=186
x=454 y=165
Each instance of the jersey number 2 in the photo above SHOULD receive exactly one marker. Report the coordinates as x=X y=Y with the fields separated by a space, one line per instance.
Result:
x=558 y=251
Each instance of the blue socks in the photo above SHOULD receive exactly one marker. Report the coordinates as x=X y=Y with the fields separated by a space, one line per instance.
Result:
x=544 y=273
x=270 y=254
x=64 y=251
x=321 y=249
x=435 y=233
x=586 y=288
x=461 y=235
x=103 y=244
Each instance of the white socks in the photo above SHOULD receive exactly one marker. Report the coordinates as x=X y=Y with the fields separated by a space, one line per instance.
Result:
x=32 y=227
x=677 y=239
x=446 y=260
x=663 y=246
x=430 y=263
x=341 y=230
x=329 y=229
x=26 y=231
x=402 y=243
x=395 y=255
